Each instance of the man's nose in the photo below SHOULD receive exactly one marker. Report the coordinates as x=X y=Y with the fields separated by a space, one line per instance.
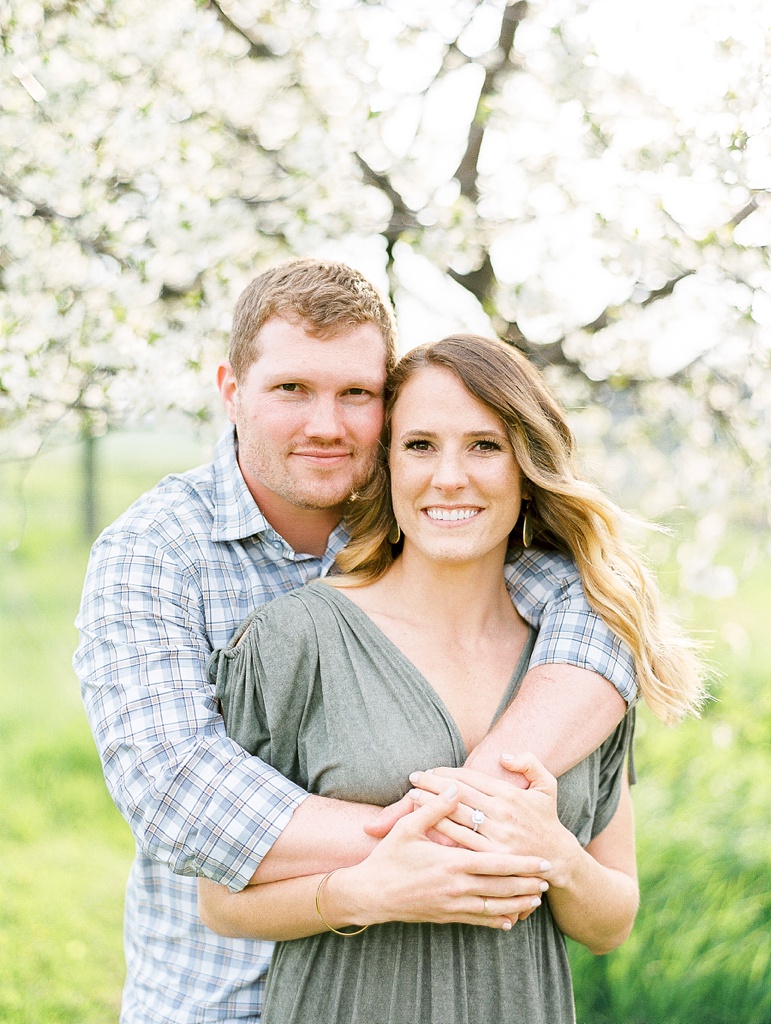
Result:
x=325 y=420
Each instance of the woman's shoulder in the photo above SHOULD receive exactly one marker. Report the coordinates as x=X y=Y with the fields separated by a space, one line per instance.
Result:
x=284 y=612
x=293 y=613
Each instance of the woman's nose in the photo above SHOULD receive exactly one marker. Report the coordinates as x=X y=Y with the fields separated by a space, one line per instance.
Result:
x=450 y=473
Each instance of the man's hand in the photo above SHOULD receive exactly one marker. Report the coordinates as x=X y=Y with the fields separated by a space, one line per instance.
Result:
x=380 y=826
x=385 y=821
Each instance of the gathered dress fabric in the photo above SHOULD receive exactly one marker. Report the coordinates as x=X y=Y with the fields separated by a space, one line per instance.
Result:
x=310 y=684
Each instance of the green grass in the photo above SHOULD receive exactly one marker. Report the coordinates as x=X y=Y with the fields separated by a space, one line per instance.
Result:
x=700 y=951
x=64 y=849
x=701 y=947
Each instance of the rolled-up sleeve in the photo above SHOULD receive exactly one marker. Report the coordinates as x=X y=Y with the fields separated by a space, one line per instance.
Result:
x=546 y=589
x=193 y=798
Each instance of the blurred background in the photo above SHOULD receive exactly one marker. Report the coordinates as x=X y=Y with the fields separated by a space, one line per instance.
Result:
x=588 y=180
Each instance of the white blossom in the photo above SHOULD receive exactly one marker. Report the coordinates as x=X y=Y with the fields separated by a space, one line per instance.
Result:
x=599 y=194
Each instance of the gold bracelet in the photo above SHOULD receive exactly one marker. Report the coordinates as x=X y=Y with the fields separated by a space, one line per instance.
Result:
x=323 y=919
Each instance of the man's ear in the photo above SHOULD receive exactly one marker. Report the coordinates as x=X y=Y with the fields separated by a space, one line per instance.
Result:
x=228 y=389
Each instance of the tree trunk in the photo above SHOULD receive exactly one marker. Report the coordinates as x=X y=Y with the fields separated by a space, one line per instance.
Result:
x=89 y=481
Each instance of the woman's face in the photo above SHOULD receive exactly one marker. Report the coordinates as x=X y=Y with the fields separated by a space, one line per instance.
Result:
x=455 y=483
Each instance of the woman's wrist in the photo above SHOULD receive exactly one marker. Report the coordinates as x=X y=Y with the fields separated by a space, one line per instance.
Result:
x=565 y=862
x=339 y=900
x=356 y=930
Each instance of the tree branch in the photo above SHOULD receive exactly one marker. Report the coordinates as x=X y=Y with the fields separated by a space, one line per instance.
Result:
x=403 y=218
x=480 y=282
x=257 y=48
x=744 y=213
x=467 y=172
x=666 y=289
x=93 y=246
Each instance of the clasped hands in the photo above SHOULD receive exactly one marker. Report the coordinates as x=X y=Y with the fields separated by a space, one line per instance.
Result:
x=518 y=845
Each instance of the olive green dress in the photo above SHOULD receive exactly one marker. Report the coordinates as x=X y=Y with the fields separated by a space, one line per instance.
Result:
x=310 y=684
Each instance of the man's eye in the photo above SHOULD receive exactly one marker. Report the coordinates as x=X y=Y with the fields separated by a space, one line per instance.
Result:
x=289 y=387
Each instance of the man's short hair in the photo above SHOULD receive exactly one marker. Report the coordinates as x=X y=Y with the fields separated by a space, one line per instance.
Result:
x=325 y=297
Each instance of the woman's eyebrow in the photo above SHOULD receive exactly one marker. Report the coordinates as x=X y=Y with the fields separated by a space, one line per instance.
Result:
x=482 y=432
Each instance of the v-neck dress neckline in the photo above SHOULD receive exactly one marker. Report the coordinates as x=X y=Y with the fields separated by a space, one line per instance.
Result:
x=366 y=623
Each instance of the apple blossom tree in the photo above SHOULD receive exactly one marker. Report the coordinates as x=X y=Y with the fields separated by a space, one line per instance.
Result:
x=589 y=180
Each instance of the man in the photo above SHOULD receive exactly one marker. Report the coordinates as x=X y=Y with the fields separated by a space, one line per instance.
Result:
x=171 y=579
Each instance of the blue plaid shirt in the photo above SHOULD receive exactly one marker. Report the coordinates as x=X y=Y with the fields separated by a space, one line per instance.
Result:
x=167 y=584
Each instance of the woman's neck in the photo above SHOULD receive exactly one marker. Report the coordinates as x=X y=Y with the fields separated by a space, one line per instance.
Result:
x=446 y=597
x=458 y=627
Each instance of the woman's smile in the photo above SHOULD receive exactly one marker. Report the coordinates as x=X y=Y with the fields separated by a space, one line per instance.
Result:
x=451 y=515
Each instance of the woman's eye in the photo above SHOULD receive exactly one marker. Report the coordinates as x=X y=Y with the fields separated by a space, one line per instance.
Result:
x=488 y=446
x=417 y=445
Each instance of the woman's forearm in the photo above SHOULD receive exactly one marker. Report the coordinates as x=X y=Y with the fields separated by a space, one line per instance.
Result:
x=276 y=910
x=593 y=893
x=597 y=907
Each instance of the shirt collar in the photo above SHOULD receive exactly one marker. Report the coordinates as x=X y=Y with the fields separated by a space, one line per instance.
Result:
x=237 y=515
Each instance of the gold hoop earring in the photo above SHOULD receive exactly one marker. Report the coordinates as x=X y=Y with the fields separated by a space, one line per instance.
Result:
x=395 y=533
x=527 y=529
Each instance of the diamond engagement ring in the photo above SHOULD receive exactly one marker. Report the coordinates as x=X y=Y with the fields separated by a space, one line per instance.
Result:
x=477 y=818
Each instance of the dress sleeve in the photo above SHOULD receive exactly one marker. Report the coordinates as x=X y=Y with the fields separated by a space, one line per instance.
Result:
x=194 y=800
x=264 y=680
x=546 y=589
x=616 y=757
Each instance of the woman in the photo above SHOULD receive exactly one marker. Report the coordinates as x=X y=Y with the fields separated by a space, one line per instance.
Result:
x=404 y=662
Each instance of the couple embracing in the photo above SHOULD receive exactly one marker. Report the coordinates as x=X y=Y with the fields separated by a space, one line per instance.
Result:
x=422 y=580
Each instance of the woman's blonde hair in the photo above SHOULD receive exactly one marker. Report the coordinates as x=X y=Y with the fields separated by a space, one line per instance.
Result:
x=566 y=513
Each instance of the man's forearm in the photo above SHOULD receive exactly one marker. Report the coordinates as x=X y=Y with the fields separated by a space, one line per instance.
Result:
x=322 y=835
x=406 y=878
x=561 y=714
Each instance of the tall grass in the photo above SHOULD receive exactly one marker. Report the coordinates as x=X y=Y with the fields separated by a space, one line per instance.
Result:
x=701 y=949
x=64 y=849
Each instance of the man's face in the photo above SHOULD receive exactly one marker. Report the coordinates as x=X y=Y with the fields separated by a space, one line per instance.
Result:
x=308 y=414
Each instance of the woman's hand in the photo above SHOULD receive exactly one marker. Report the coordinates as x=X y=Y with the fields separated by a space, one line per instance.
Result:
x=429 y=882
x=495 y=816
x=525 y=822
